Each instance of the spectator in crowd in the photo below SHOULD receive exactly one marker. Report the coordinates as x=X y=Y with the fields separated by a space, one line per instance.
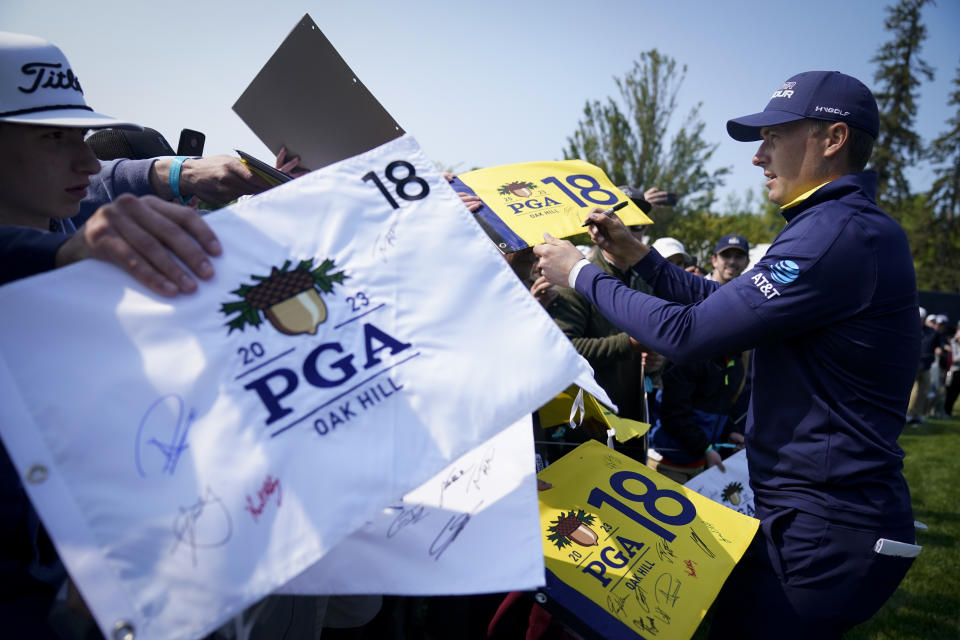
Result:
x=831 y=311
x=938 y=371
x=672 y=251
x=84 y=215
x=58 y=205
x=26 y=249
x=698 y=397
x=45 y=172
x=953 y=374
x=919 y=400
x=730 y=257
x=695 y=415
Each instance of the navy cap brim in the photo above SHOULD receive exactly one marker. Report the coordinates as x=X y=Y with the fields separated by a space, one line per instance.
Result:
x=747 y=128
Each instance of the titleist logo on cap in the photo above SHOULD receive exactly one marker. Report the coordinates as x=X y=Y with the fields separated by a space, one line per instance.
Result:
x=54 y=79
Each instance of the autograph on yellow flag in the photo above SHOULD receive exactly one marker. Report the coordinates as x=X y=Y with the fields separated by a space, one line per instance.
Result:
x=531 y=198
x=631 y=553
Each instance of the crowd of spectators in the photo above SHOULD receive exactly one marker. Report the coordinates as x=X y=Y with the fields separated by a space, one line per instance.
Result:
x=935 y=388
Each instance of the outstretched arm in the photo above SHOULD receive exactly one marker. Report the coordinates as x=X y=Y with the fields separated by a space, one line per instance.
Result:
x=143 y=236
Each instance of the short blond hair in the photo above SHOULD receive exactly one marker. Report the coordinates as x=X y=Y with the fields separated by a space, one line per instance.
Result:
x=859 y=146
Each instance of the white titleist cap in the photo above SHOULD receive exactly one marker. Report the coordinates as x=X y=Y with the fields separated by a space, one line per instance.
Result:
x=38 y=87
x=667 y=247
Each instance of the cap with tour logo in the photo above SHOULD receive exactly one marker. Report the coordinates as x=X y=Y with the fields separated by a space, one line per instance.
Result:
x=38 y=87
x=821 y=95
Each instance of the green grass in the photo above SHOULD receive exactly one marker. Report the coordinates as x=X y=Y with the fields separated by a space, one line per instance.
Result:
x=927 y=604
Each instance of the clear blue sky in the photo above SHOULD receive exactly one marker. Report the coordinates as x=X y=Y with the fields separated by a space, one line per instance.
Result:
x=479 y=83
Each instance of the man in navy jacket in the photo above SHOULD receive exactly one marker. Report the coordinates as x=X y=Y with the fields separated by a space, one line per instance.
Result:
x=831 y=312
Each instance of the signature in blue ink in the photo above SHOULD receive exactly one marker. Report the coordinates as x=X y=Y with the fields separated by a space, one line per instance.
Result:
x=450 y=531
x=385 y=242
x=205 y=524
x=155 y=437
x=482 y=469
x=478 y=471
x=448 y=534
x=406 y=517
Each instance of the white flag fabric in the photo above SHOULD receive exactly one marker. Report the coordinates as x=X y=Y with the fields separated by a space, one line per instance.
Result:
x=730 y=488
x=444 y=535
x=189 y=456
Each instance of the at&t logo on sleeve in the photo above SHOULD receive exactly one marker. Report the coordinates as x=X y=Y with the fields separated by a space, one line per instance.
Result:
x=783 y=272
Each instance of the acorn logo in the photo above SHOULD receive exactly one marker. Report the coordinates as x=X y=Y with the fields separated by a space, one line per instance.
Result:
x=573 y=527
x=520 y=189
x=732 y=493
x=288 y=298
x=784 y=272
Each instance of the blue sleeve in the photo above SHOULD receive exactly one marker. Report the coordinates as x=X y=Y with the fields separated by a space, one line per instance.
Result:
x=682 y=332
x=670 y=282
x=26 y=252
x=116 y=177
x=813 y=275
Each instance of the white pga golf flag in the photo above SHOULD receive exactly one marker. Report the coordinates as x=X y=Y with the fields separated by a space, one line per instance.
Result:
x=447 y=534
x=190 y=456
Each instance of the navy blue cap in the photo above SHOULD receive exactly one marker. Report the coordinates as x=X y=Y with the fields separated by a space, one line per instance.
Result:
x=734 y=241
x=821 y=95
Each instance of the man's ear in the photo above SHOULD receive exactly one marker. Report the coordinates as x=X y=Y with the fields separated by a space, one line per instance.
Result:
x=836 y=137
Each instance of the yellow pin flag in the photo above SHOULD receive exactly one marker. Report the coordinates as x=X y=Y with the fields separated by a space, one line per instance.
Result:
x=576 y=405
x=630 y=552
x=531 y=198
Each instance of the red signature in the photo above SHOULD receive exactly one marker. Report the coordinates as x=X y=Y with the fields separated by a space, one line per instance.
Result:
x=270 y=486
x=690 y=570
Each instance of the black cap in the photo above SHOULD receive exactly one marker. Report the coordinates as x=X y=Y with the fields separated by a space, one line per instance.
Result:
x=110 y=144
x=637 y=196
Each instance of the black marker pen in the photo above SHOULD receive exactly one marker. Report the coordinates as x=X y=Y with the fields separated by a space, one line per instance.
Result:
x=609 y=212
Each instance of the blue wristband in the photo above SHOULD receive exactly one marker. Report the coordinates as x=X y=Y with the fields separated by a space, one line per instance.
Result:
x=175 y=167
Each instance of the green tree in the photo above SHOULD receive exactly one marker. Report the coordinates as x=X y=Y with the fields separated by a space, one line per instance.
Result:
x=630 y=138
x=755 y=218
x=935 y=236
x=945 y=154
x=934 y=244
x=898 y=79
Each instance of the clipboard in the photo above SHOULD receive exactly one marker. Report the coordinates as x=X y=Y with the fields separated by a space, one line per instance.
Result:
x=308 y=99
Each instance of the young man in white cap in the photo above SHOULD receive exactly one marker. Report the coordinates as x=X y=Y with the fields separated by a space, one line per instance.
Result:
x=672 y=251
x=48 y=175
x=46 y=171
x=831 y=311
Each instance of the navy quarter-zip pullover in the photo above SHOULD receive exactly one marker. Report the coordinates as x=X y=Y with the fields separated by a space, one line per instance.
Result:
x=831 y=311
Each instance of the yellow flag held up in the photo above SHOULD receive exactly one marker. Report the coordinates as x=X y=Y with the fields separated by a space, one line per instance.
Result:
x=631 y=553
x=531 y=198
x=576 y=405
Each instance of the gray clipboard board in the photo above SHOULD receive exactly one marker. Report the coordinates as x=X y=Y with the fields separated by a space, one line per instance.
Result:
x=307 y=99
